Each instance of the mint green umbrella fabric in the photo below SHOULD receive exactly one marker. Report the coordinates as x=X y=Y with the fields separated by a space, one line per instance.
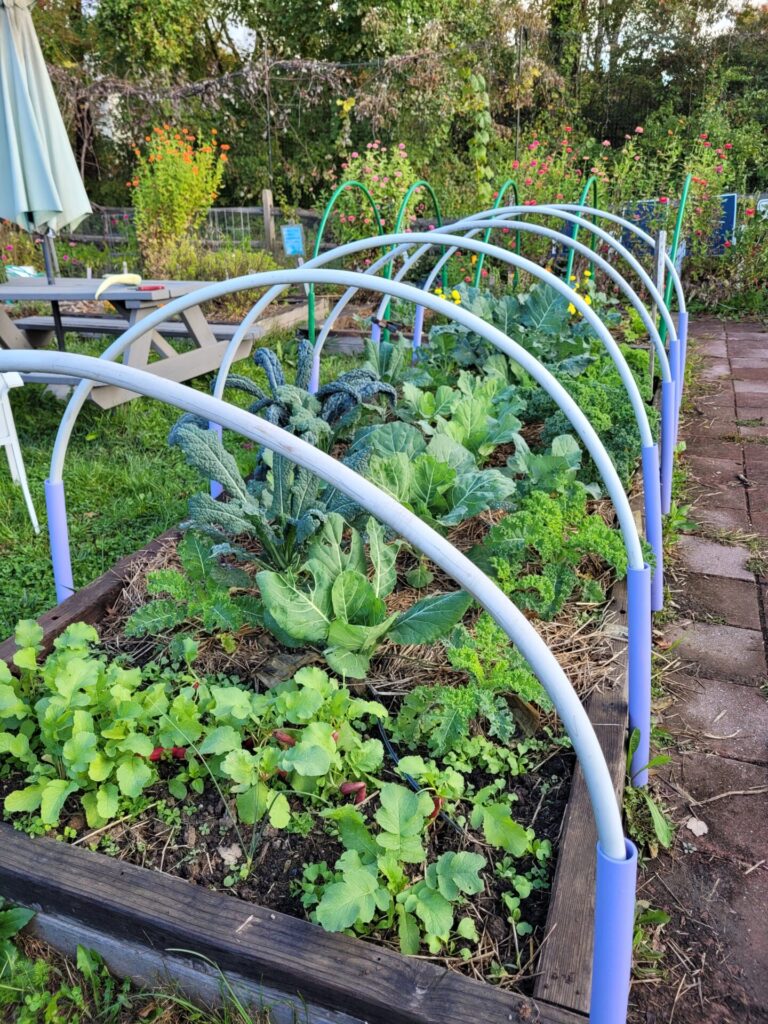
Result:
x=40 y=185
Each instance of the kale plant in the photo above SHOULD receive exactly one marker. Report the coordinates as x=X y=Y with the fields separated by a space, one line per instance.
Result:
x=538 y=551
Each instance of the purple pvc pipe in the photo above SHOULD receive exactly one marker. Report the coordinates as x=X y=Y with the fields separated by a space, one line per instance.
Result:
x=418 y=326
x=668 y=421
x=677 y=377
x=682 y=333
x=653 y=526
x=615 y=888
x=216 y=488
x=58 y=536
x=639 y=668
x=375 y=333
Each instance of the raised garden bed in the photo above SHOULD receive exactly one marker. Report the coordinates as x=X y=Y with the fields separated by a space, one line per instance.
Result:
x=135 y=916
x=209 y=738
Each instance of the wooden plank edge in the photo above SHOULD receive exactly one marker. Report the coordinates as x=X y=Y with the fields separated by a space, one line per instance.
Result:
x=289 y=955
x=89 y=603
x=564 y=975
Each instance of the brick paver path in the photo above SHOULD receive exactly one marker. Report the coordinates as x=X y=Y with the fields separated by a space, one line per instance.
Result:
x=715 y=706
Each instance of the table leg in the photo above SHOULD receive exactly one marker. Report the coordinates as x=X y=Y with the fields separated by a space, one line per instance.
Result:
x=10 y=335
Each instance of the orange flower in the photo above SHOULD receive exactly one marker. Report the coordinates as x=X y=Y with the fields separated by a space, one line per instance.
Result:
x=225 y=147
x=207 y=149
x=194 y=170
x=167 y=127
x=214 y=132
x=223 y=158
x=147 y=138
x=135 y=182
x=151 y=158
x=177 y=136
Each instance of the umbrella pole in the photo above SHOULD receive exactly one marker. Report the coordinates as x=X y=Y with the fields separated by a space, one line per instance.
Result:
x=51 y=267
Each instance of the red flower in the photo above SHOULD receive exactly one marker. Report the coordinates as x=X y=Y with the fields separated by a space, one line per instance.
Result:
x=663 y=199
x=727 y=245
x=157 y=753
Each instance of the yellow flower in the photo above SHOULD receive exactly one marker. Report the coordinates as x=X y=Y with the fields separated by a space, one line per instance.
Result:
x=587 y=273
x=456 y=296
x=439 y=291
x=573 y=277
x=571 y=308
x=588 y=300
x=473 y=258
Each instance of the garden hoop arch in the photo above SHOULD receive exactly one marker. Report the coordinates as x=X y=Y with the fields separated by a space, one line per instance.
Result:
x=616 y=856
x=509 y=183
x=638 y=573
x=655 y=473
x=339 y=191
x=591 y=182
x=397 y=229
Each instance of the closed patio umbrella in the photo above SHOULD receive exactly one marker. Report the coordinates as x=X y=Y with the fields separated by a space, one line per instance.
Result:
x=40 y=185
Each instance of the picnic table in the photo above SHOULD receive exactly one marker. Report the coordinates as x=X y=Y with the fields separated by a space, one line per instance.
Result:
x=133 y=304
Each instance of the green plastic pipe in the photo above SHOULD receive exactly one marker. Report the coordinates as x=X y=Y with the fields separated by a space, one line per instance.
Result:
x=311 y=328
x=675 y=245
x=509 y=183
x=591 y=182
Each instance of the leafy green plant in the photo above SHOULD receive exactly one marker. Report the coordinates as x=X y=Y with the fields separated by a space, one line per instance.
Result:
x=479 y=413
x=548 y=471
x=370 y=888
x=647 y=823
x=280 y=512
x=330 y=600
x=536 y=552
x=442 y=492
x=12 y=920
x=201 y=595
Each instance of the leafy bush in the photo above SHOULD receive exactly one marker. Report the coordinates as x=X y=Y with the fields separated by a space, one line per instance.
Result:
x=173 y=185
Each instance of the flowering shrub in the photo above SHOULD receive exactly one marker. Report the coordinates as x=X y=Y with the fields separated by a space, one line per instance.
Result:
x=387 y=174
x=175 y=181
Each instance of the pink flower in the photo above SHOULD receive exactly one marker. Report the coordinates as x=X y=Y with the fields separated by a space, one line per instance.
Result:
x=559 y=195
x=719 y=169
x=749 y=212
x=703 y=135
x=351 y=218
x=9 y=248
x=728 y=145
x=355 y=155
x=534 y=163
x=528 y=181
x=638 y=130
x=567 y=128
x=515 y=164
x=605 y=142
x=369 y=145
x=707 y=145
x=569 y=149
x=728 y=244
x=468 y=279
x=496 y=195
x=505 y=231
x=398 y=174
x=344 y=166
x=483 y=272
x=383 y=222
x=663 y=199
x=401 y=145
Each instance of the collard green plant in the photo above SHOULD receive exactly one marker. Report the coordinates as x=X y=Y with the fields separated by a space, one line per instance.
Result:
x=336 y=599
x=479 y=413
x=549 y=471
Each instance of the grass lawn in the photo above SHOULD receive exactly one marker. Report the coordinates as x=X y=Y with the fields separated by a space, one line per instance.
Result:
x=124 y=485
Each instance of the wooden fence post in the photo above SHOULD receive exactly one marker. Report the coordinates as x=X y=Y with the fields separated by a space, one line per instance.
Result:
x=267 y=203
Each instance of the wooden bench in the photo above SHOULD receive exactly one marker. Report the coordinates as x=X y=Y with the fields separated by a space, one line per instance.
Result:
x=39 y=329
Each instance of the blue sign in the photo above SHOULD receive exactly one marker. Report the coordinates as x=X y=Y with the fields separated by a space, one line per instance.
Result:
x=293 y=239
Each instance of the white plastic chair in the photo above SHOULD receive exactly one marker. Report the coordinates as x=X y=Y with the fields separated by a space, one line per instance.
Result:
x=10 y=441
